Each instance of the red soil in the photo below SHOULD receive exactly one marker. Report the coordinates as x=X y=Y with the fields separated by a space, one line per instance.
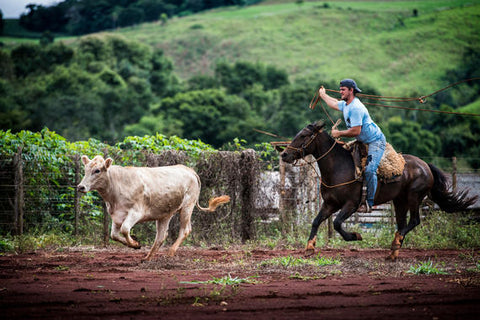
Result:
x=88 y=283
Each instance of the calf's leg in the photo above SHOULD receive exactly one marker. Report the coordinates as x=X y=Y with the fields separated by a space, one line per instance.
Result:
x=185 y=228
x=132 y=218
x=116 y=235
x=162 y=229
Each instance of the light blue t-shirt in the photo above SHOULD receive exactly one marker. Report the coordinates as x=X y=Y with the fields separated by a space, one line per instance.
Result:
x=356 y=114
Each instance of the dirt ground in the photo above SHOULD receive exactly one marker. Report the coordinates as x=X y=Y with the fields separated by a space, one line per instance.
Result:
x=113 y=283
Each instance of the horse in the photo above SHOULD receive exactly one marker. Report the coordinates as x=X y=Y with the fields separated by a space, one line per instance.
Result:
x=341 y=190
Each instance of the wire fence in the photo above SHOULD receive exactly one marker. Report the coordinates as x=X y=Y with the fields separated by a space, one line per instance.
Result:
x=283 y=199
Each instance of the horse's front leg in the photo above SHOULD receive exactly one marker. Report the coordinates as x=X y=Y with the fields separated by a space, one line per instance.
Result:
x=325 y=211
x=344 y=214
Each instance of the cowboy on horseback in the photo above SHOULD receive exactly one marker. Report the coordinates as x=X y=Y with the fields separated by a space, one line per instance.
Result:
x=361 y=126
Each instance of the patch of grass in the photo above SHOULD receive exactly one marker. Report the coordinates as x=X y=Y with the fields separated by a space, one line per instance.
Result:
x=441 y=230
x=298 y=276
x=32 y=242
x=62 y=268
x=227 y=280
x=290 y=261
x=426 y=267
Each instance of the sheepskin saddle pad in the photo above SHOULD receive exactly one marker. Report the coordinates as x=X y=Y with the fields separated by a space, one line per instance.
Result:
x=391 y=165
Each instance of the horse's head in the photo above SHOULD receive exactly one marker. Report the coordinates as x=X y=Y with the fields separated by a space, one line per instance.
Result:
x=302 y=145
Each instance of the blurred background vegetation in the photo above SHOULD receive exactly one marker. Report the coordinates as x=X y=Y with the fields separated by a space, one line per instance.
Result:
x=120 y=77
x=215 y=70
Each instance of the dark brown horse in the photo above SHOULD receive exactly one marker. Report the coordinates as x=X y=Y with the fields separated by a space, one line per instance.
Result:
x=340 y=190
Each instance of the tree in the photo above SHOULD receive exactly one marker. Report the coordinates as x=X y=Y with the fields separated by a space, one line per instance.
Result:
x=130 y=16
x=211 y=116
x=1 y=22
x=243 y=75
x=26 y=59
x=47 y=38
x=408 y=137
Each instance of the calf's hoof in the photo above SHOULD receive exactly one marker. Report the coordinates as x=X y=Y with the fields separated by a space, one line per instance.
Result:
x=135 y=245
x=146 y=259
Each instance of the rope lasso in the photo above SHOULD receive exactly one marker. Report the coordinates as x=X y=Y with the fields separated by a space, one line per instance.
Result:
x=421 y=99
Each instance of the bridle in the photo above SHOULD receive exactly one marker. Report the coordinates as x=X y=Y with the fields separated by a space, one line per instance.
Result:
x=302 y=150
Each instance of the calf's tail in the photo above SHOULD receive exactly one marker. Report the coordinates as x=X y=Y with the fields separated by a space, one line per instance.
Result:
x=448 y=200
x=213 y=203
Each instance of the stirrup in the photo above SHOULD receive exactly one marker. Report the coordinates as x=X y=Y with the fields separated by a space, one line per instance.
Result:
x=364 y=208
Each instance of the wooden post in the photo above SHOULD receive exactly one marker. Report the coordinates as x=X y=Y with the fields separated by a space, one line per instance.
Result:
x=248 y=168
x=281 y=204
x=106 y=237
x=287 y=200
x=105 y=213
x=330 y=227
x=76 y=200
x=454 y=174
x=393 y=220
x=19 y=197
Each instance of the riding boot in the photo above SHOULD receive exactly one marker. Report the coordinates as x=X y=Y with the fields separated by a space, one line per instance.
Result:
x=364 y=208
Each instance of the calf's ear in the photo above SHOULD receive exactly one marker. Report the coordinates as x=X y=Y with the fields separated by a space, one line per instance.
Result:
x=108 y=163
x=85 y=160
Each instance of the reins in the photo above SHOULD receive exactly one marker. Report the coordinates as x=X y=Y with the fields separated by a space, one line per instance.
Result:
x=310 y=163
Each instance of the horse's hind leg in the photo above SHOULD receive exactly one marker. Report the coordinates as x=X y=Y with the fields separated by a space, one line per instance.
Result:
x=401 y=210
x=402 y=227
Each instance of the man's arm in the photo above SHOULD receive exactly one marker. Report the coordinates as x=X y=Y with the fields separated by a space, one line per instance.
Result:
x=352 y=132
x=330 y=101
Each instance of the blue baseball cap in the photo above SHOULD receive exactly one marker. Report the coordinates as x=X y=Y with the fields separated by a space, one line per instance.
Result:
x=350 y=83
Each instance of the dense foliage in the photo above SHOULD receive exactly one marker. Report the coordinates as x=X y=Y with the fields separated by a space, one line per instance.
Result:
x=88 y=16
x=106 y=88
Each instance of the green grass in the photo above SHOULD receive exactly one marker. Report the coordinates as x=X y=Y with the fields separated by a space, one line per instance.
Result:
x=380 y=43
x=473 y=107
x=426 y=267
x=226 y=280
x=290 y=261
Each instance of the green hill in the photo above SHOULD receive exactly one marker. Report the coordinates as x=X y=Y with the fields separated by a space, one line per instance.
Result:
x=382 y=44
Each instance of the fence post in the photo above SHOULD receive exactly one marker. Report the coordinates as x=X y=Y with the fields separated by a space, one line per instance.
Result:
x=454 y=174
x=105 y=224
x=77 y=194
x=105 y=213
x=19 y=199
x=330 y=227
x=287 y=198
x=248 y=165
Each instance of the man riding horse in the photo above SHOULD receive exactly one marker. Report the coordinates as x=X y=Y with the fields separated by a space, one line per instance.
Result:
x=341 y=189
x=361 y=126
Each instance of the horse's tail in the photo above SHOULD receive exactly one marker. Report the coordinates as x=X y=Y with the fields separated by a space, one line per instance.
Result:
x=448 y=200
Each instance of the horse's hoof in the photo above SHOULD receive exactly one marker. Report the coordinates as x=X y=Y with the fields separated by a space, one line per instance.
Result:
x=359 y=236
x=392 y=256
x=309 y=252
